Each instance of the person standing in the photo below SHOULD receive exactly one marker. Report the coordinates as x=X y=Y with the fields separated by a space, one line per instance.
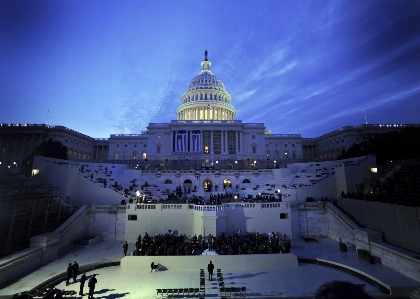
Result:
x=91 y=284
x=69 y=270
x=82 y=283
x=75 y=271
x=125 y=246
x=210 y=268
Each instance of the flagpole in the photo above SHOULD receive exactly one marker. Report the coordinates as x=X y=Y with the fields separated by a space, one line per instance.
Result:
x=364 y=110
x=48 y=113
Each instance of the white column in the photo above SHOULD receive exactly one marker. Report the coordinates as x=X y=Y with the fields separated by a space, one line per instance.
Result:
x=189 y=140
x=222 y=139
x=211 y=142
x=236 y=143
x=241 y=141
x=226 y=142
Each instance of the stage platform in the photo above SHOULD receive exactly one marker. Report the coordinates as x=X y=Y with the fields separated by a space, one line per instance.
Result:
x=194 y=262
x=299 y=281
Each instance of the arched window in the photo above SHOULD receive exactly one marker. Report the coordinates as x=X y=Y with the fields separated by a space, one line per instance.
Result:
x=227 y=183
x=246 y=181
x=167 y=181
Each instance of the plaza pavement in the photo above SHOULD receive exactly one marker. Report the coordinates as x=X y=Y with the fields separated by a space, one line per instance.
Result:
x=296 y=282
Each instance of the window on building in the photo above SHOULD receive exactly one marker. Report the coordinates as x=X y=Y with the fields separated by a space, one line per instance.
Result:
x=117 y=145
x=158 y=147
x=231 y=142
x=217 y=142
x=284 y=215
x=159 y=137
x=254 y=149
x=167 y=181
x=246 y=181
x=117 y=155
x=206 y=135
x=253 y=137
x=144 y=156
x=132 y=217
x=125 y=145
x=293 y=145
x=285 y=145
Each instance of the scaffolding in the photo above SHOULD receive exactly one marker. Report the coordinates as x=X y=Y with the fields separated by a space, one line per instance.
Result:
x=29 y=208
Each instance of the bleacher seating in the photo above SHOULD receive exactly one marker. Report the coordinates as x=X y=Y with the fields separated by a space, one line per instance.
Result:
x=303 y=175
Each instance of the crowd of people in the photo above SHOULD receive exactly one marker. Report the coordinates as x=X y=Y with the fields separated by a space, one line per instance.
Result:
x=72 y=272
x=249 y=243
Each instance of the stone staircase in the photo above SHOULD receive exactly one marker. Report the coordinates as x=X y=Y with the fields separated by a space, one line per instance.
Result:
x=416 y=293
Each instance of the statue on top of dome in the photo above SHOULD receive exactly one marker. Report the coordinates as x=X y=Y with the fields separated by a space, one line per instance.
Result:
x=205 y=55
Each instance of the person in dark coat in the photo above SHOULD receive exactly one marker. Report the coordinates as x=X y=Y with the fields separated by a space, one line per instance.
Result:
x=91 y=284
x=59 y=294
x=210 y=268
x=125 y=246
x=69 y=270
x=153 y=267
x=82 y=283
x=340 y=289
x=75 y=271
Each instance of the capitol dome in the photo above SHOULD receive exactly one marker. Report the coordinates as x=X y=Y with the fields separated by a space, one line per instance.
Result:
x=206 y=81
x=206 y=98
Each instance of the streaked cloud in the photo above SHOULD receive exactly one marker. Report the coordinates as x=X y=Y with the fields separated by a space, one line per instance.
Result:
x=300 y=67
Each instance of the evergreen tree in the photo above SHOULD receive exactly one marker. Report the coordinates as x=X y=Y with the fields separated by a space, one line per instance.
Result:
x=397 y=145
x=50 y=148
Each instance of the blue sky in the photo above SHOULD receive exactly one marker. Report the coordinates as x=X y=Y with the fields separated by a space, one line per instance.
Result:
x=308 y=67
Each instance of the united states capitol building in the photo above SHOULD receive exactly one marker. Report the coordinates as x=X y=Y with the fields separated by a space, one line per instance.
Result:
x=205 y=133
x=126 y=185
